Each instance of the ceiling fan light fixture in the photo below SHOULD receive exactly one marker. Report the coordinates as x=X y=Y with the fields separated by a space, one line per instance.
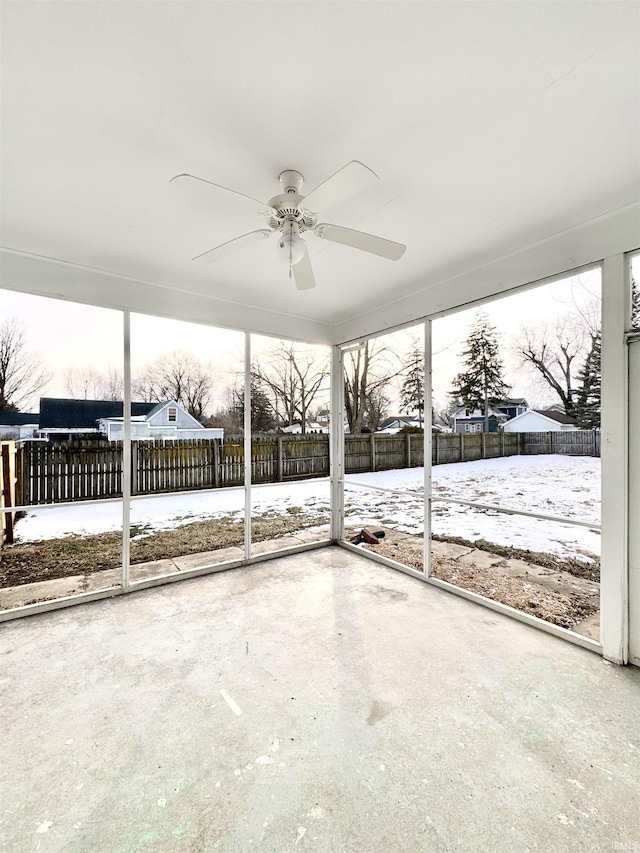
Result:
x=291 y=246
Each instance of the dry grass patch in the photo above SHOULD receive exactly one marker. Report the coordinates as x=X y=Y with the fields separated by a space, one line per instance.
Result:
x=78 y=555
x=560 y=607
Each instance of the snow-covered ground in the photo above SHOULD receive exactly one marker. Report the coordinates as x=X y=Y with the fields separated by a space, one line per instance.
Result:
x=566 y=486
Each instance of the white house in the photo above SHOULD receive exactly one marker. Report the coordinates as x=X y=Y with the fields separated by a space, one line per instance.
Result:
x=17 y=425
x=539 y=420
x=392 y=425
x=165 y=420
x=309 y=427
x=63 y=418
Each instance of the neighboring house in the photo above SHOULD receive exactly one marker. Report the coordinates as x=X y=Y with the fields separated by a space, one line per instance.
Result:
x=309 y=427
x=541 y=420
x=513 y=407
x=394 y=424
x=17 y=425
x=62 y=418
x=465 y=421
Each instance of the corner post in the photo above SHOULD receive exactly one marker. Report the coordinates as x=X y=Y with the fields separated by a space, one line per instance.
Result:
x=336 y=444
x=614 y=572
x=247 y=445
x=428 y=447
x=126 y=452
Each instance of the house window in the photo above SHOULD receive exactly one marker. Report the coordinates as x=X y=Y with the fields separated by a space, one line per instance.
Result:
x=173 y=415
x=477 y=427
x=467 y=427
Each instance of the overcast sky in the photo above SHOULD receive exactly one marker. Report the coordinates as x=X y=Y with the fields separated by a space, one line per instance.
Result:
x=67 y=335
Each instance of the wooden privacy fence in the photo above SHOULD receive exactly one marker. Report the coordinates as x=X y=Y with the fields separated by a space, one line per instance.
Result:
x=7 y=489
x=58 y=472
x=582 y=442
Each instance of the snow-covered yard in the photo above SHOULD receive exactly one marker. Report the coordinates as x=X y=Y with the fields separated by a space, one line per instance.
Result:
x=555 y=485
x=567 y=486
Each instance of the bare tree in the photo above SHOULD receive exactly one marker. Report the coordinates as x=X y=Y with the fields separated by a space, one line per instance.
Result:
x=558 y=352
x=88 y=383
x=177 y=376
x=368 y=370
x=22 y=375
x=443 y=414
x=294 y=375
x=377 y=408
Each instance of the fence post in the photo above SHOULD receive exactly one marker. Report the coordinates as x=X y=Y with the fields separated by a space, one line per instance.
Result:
x=134 y=467
x=550 y=434
x=407 y=450
x=461 y=447
x=27 y=457
x=279 y=459
x=216 y=463
x=5 y=477
x=483 y=444
x=372 y=440
x=20 y=477
x=437 y=448
x=520 y=436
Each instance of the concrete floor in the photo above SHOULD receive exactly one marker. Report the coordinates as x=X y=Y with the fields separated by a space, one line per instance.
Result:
x=375 y=714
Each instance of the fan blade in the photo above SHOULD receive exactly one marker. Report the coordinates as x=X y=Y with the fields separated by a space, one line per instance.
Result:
x=224 y=193
x=232 y=246
x=303 y=273
x=351 y=179
x=359 y=240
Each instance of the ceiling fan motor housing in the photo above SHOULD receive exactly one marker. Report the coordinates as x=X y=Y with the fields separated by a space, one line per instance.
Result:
x=288 y=206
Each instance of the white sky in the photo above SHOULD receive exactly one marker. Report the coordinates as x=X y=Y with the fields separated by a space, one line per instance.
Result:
x=68 y=335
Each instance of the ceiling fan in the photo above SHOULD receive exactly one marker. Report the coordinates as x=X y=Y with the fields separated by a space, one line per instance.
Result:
x=291 y=214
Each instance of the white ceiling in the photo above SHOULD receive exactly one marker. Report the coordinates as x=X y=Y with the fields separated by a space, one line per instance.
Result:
x=492 y=126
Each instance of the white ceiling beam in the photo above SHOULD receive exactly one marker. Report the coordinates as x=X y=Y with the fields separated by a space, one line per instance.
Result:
x=46 y=277
x=577 y=247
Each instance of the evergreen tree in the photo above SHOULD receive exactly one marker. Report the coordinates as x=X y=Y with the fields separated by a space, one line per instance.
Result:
x=412 y=391
x=482 y=384
x=262 y=414
x=587 y=407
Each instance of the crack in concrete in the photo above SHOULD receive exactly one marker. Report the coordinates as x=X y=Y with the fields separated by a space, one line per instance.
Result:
x=466 y=554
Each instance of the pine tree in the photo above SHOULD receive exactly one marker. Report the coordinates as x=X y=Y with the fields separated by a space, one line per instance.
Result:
x=482 y=384
x=587 y=407
x=412 y=391
x=262 y=415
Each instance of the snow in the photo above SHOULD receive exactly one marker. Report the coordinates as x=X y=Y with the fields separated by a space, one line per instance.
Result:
x=566 y=486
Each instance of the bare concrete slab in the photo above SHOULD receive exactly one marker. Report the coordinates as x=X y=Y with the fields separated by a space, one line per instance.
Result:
x=208 y=558
x=30 y=593
x=314 y=702
x=449 y=549
x=152 y=569
x=479 y=559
